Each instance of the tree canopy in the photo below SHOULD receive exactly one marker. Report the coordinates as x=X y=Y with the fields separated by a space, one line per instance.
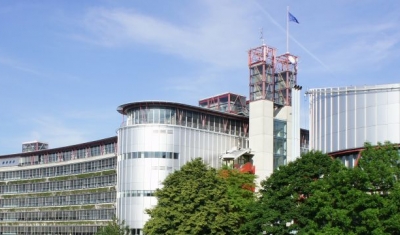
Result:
x=277 y=209
x=198 y=199
x=318 y=195
x=114 y=227
x=361 y=200
x=313 y=195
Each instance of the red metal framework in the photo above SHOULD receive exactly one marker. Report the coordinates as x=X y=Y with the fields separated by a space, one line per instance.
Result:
x=271 y=77
x=262 y=69
x=34 y=146
x=227 y=102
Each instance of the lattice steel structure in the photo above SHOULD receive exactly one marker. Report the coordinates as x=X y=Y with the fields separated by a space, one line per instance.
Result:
x=272 y=77
x=227 y=102
x=274 y=109
x=34 y=146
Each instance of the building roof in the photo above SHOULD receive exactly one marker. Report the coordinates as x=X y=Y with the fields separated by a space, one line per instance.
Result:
x=65 y=148
x=123 y=108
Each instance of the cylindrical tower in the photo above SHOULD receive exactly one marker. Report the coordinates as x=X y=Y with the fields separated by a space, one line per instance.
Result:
x=156 y=139
x=347 y=117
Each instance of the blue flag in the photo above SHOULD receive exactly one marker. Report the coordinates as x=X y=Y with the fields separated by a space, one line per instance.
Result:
x=292 y=18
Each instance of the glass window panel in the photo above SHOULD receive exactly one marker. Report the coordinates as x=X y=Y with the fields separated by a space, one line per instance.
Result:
x=162 y=116
x=156 y=115
x=150 y=116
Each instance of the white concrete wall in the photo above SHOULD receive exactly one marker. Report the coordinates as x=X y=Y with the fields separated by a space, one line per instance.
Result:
x=295 y=126
x=261 y=137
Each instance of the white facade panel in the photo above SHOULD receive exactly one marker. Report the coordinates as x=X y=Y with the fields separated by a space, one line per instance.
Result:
x=346 y=118
x=382 y=114
x=261 y=137
x=393 y=113
x=141 y=173
x=394 y=130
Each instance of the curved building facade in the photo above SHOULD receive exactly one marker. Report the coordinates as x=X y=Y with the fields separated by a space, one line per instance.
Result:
x=157 y=138
x=345 y=118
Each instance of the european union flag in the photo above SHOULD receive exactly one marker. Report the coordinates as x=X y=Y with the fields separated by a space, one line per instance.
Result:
x=292 y=18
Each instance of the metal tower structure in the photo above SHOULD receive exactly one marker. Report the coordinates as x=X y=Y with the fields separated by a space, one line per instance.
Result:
x=274 y=109
x=227 y=102
x=272 y=77
x=34 y=146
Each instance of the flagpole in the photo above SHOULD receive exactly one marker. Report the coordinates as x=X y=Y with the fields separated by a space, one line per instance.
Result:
x=287 y=30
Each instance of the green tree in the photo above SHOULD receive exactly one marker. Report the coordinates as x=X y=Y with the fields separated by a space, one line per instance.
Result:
x=240 y=192
x=278 y=208
x=114 y=227
x=199 y=200
x=362 y=200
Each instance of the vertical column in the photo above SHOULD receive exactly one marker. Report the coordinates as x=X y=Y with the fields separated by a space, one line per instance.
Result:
x=261 y=137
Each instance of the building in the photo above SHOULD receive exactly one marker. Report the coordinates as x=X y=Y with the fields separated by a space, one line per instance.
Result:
x=68 y=190
x=343 y=119
x=158 y=138
x=274 y=109
x=75 y=189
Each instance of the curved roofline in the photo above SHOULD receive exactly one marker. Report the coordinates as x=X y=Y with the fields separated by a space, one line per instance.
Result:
x=355 y=88
x=345 y=151
x=122 y=108
x=352 y=150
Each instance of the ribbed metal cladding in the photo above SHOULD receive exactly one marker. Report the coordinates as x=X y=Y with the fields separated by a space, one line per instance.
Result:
x=347 y=117
x=142 y=166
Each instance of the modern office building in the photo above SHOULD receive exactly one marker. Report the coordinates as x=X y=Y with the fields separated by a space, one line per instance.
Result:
x=343 y=119
x=68 y=190
x=158 y=138
x=76 y=189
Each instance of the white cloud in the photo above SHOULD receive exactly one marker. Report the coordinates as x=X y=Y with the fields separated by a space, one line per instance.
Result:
x=363 y=46
x=220 y=36
x=20 y=66
x=366 y=29
x=55 y=132
x=38 y=73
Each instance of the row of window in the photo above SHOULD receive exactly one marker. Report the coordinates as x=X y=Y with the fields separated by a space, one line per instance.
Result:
x=95 y=182
x=69 y=155
x=155 y=115
x=166 y=155
x=101 y=214
x=9 y=162
x=69 y=169
x=138 y=193
x=46 y=230
x=80 y=199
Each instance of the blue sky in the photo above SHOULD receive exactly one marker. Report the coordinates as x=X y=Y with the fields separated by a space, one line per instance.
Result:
x=65 y=66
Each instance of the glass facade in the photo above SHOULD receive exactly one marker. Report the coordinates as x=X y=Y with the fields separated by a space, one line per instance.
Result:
x=54 y=171
x=280 y=143
x=60 y=191
x=47 y=157
x=187 y=118
x=148 y=154
x=75 y=184
x=158 y=138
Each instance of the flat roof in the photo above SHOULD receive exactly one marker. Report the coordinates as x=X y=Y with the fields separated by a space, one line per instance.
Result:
x=63 y=149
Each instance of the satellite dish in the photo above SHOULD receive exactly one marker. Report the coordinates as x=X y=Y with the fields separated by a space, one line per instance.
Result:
x=292 y=60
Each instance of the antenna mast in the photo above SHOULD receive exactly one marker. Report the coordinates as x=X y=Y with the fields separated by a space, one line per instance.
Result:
x=262 y=35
